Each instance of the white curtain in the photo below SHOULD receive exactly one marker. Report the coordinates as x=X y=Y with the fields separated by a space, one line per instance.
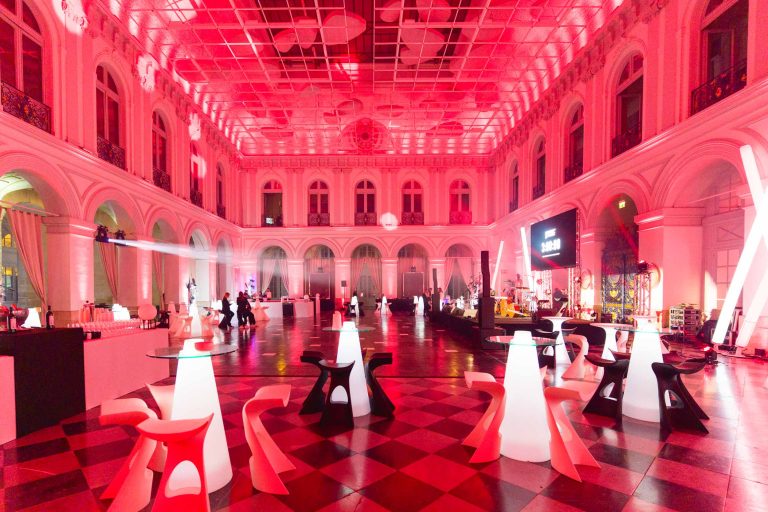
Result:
x=356 y=270
x=465 y=267
x=267 y=271
x=282 y=267
x=157 y=263
x=449 y=264
x=374 y=269
x=27 y=230
x=108 y=253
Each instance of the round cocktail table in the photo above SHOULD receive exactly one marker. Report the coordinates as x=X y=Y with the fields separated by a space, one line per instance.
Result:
x=195 y=396
x=349 y=351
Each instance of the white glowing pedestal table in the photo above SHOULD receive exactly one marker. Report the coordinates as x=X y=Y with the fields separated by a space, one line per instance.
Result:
x=610 y=338
x=524 y=431
x=641 y=398
x=195 y=396
x=349 y=351
x=561 y=355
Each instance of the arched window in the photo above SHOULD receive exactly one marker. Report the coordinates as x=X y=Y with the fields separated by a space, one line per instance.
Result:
x=514 y=188
x=160 y=166
x=575 y=145
x=723 y=52
x=413 y=204
x=273 y=204
x=221 y=209
x=318 y=205
x=108 y=132
x=21 y=64
x=365 y=204
x=629 y=106
x=195 y=176
x=540 y=169
x=459 y=202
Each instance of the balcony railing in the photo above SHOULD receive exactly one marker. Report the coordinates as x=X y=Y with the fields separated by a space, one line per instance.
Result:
x=366 y=219
x=573 y=171
x=538 y=190
x=319 y=219
x=460 y=217
x=630 y=138
x=723 y=85
x=196 y=197
x=221 y=211
x=271 y=222
x=25 y=108
x=413 y=218
x=110 y=152
x=513 y=205
x=161 y=179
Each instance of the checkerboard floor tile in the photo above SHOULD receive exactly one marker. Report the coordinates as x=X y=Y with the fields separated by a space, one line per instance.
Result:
x=415 y=461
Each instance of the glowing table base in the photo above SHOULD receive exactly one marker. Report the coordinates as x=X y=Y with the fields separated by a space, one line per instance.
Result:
x=641 y=392
x=561 y=355
x=610 y=339
x=349 y=351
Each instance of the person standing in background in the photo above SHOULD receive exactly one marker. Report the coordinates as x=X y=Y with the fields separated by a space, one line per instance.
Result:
x=226 y=310
x=242 y=302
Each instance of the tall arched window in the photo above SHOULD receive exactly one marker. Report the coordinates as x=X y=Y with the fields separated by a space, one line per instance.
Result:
x=195 y=176
x=629 y=106
x=575 y=145
x=221 y=209
x=723 y=52
x=160 y=153
x=273 y=204
x=108 y=130
x=318 y=205
x=514 y=188
x=21 y=64
x=540 y=169
x=460 y=212
x=365 y=204
x=413 y=205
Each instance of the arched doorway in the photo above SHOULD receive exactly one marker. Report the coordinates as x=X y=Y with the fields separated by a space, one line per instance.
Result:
x=319 y=272
x=198 y=283
x=165 y=264
x=459 y=270
x=109 y=257
x=16 y=288
x=273 y=272
x=412 y=268
x=618 y=261
x=366 y=271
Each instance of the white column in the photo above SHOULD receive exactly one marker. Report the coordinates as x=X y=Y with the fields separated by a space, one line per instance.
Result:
x=389 y=277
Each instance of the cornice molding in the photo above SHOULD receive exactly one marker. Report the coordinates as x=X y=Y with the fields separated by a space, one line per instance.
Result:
x=347 y=162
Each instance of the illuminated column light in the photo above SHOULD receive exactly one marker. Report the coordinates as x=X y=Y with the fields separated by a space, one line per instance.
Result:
x=494 y=284
x=526 y=258
x=758 y=231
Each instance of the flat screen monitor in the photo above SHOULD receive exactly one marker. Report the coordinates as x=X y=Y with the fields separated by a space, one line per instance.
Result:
x=553 y=242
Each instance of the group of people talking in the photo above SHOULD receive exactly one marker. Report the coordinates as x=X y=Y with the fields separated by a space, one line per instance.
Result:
x=245 y=312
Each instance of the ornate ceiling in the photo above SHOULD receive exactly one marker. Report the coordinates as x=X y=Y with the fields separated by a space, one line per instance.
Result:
x=364 y=76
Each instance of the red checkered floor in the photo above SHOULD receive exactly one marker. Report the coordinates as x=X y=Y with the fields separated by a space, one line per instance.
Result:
x=416 y=462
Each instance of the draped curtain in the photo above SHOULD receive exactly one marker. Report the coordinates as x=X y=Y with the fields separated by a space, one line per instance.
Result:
x=356 y=270
x=27 y=230
x=267 y=271
x=450 y=263
x=282 y=267
x=374 y=269
x=157 y=263
x=465 y=267
x=108 y=253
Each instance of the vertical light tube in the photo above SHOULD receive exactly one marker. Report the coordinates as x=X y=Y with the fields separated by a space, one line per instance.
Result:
x=526 y=257
x=494 y=284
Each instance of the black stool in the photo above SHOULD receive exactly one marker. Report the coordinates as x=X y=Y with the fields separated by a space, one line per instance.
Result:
x=381 y=405
x=603 y=402
x=315 y=400
x=683 y=411
x=544 y=359
x=337 y=414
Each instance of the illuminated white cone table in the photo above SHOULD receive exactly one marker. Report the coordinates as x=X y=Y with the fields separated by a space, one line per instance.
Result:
x=195 y=396
x=349 y=351
x=610 y=338
x=641 y=398
x=561 y=355
x=524 y=430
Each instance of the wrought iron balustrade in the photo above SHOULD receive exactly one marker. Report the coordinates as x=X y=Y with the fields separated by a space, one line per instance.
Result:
x=628 y=139
x=538 y=190
x=366 y=219
x=196 y=198
x=319 y=219
x=460 y=217
x=573 y=171
x=412 y=218
x=161 y=179
x=723 y=85
x=221 y=211
x=29 y=110
x=109 y=152
x=513 y=205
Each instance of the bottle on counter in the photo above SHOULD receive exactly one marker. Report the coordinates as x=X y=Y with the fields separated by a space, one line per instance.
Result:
x=49 y=319
x=11 y=319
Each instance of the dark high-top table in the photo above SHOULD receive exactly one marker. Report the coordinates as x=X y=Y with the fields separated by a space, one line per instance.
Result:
x=49 y=375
